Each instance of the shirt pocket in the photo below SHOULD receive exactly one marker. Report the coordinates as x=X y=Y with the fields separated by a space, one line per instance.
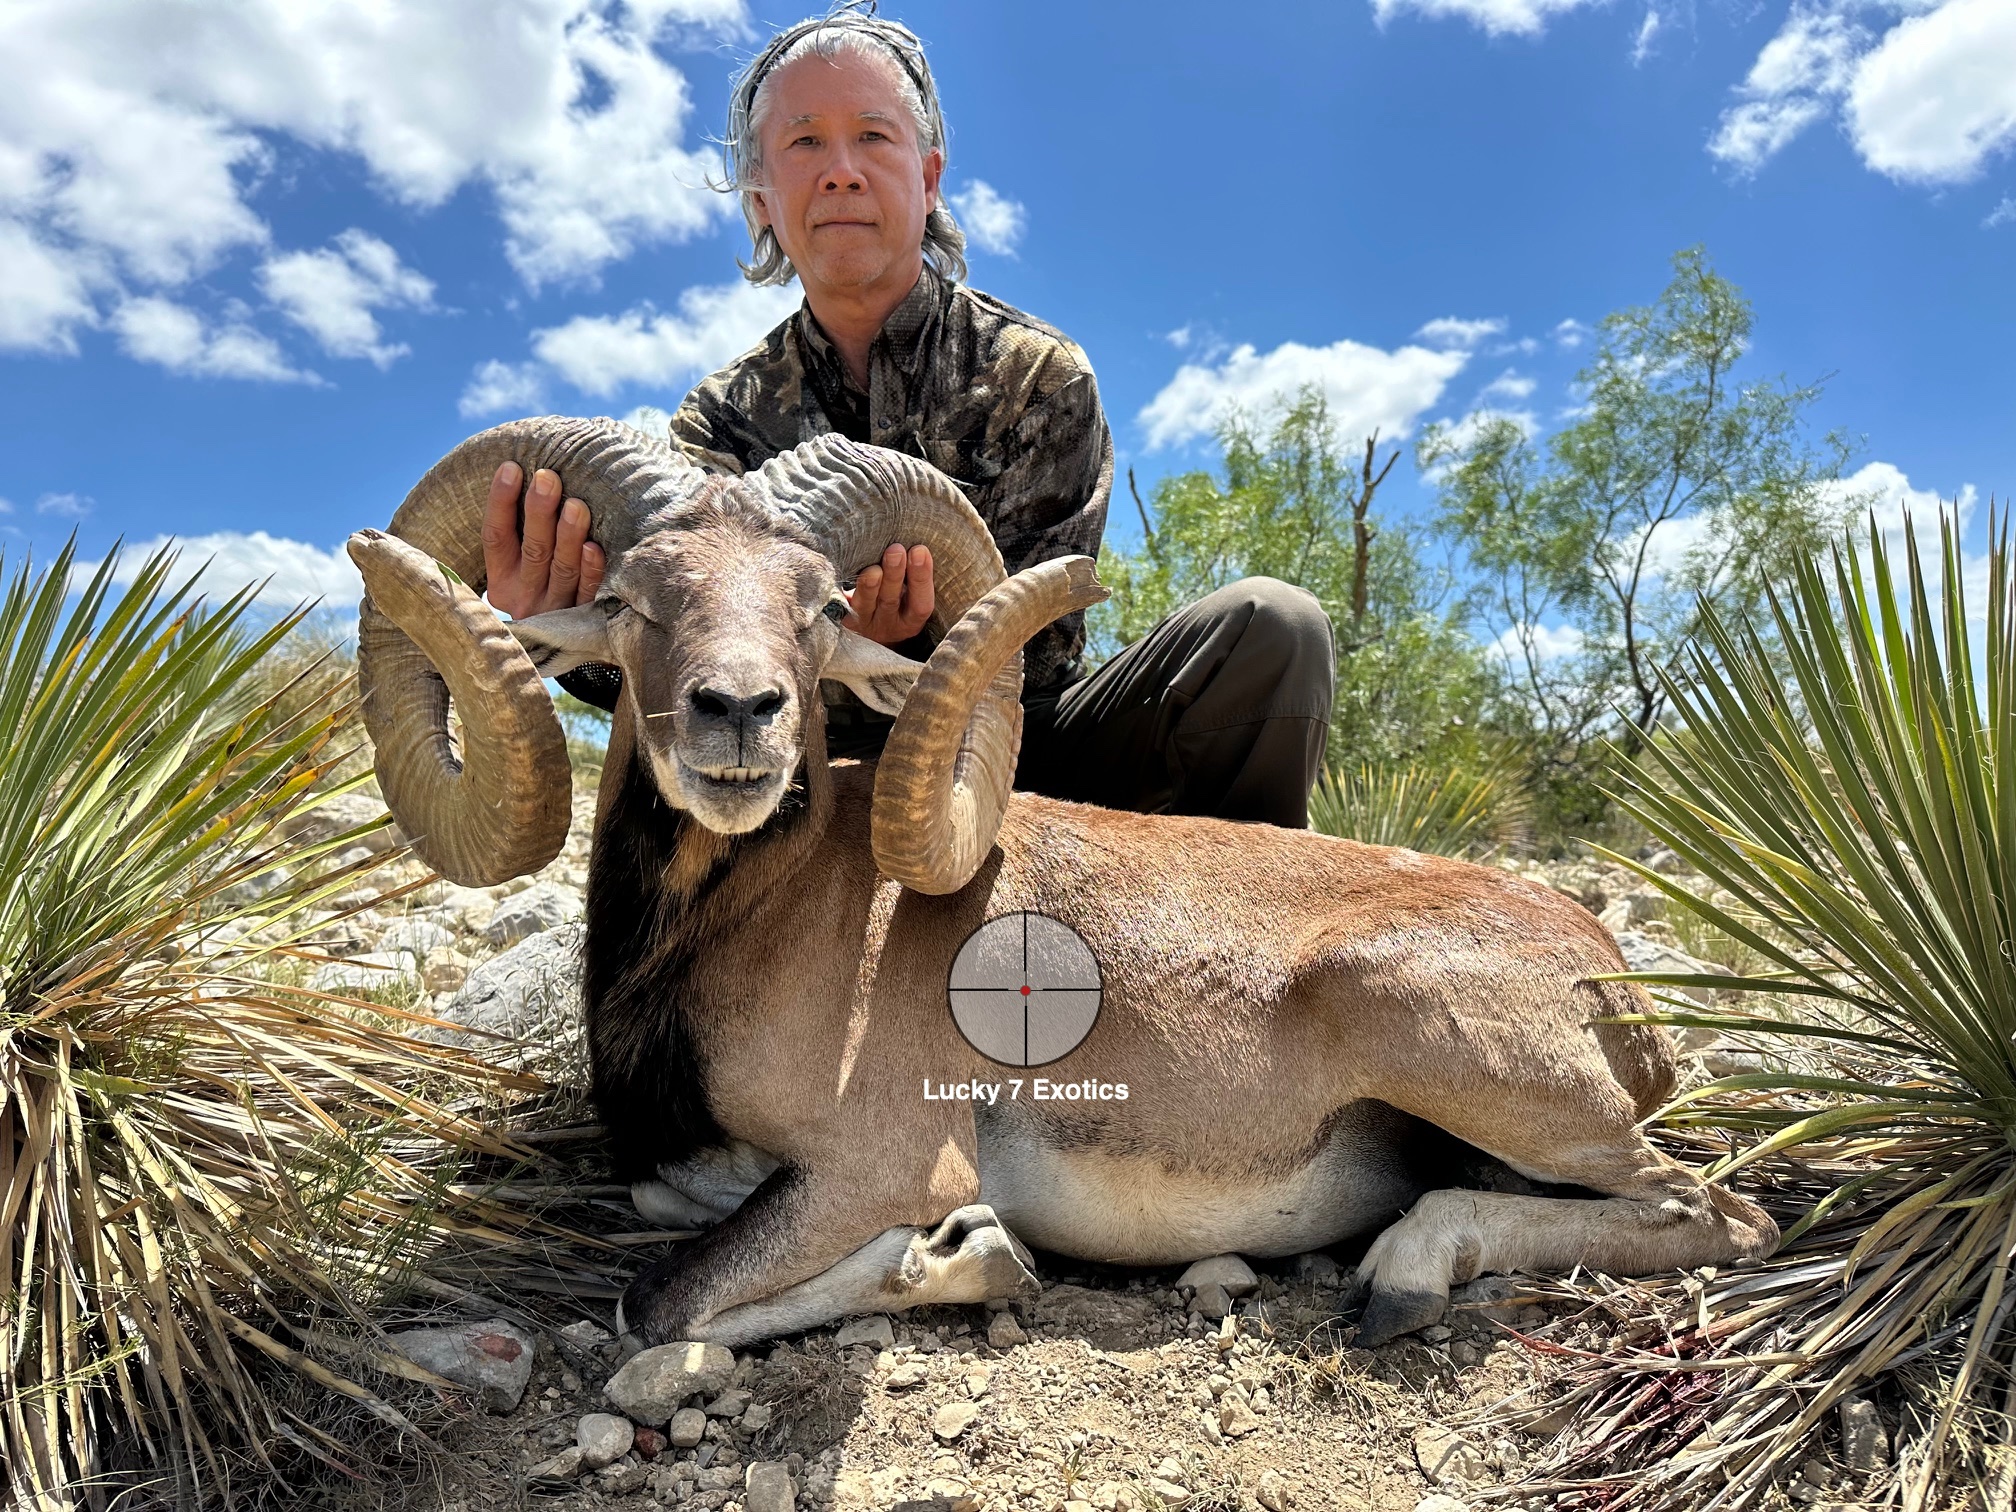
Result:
x=967 y=460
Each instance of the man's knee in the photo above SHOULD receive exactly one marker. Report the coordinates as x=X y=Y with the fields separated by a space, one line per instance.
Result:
x=1282 y=620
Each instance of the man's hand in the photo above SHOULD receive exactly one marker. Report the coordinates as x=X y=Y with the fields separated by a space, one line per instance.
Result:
x=555 y=566
x=892 y=599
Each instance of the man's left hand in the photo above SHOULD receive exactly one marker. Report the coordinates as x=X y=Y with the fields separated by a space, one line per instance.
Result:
x=892 y=599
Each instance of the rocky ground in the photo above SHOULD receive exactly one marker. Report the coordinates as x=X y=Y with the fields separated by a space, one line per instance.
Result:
x=1117 y=1389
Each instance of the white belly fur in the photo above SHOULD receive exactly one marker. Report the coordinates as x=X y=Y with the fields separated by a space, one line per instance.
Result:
x=1134 y=1212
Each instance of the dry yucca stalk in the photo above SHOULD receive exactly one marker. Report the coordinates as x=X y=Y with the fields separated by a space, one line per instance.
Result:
x=192 y=1158
x=1848 y=787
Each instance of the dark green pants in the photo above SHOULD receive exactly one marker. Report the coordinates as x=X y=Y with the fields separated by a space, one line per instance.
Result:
x=1222 y=709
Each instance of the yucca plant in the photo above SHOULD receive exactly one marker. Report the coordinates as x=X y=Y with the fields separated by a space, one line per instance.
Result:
x=192 y=1159
x=1859 y=819
x=1446 y=810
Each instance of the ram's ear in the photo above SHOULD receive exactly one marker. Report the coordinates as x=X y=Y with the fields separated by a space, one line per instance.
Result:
x=562 y=639
x=880 y=678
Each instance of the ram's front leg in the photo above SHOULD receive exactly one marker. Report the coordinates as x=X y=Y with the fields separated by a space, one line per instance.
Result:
x=802 y=1252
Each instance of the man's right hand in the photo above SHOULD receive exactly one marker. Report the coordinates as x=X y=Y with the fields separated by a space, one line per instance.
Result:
x=554 y=565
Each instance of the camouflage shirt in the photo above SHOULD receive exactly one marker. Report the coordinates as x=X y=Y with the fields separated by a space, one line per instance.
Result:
x=1001 y=402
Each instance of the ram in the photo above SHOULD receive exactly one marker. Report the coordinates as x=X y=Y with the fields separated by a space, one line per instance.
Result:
x=769 y=934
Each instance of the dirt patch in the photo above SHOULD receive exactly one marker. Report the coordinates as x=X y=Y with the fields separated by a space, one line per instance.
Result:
x=1115 y=1397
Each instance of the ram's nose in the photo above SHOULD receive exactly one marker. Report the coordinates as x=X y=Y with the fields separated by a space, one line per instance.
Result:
x=716 y=702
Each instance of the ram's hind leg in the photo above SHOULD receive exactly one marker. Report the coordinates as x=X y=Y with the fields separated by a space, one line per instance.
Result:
x=1573 y=1123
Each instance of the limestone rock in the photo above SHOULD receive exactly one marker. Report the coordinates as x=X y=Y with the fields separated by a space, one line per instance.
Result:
x=538 y=908
x=655 y=1383
x=768 y=1488
x=687 y=1428
x=1272 y=1491
x=1643 y=953
x=373 y=969
x=1229 y=1271
x=1446 y=1458
x=603 y=1438
x=493 y=1359
x=875 y=1329
x=1864 y=1444
x=1003 y=1332
x=953 y=1419
x=531 y=994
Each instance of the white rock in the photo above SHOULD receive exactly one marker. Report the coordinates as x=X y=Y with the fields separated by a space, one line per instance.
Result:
x=1864 y=1444
x=655 y=1383
x=604 y=1438
x=687 y=1428
x=1446 y=1458
x=1441 y=1502
x=1272 y=1491
x=874 y=1329
x=532 y=994
x=953 y=1419
x=416 y=937
x=1229 y=1271
x=768 y=1489
x=538 y=908
x=563 y=1466
x=1643 y=953
x=374 y=969
x=493 y=1359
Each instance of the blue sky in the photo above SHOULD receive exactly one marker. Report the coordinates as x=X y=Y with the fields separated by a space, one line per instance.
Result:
x=263 y=261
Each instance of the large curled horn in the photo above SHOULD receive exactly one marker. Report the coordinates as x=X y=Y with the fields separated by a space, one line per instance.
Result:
x=499 y=807
x=942 y=783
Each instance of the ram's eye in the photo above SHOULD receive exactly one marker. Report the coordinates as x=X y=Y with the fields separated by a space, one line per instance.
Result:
x=836 y=611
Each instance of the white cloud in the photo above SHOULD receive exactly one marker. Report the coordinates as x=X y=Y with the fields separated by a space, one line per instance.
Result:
x=1884 y=487
x=331 y=293
x=1180 y=338
x=158 y=330
x=498 y=386
x=1460 y=435
x=6 y=507
x=1648 y=31
x=1367 y=389
x=1938 y=96
x=1448 y=331
x=1508 y=385
x=2001 y=215
x=69 y=506
x=650 y=419
x=716 y=323
x=1525 y=18
x=1570 y=333
x=1930 y=100
x=236 y=560
x=134 y=136
x=1550 y=643
x=991 y=221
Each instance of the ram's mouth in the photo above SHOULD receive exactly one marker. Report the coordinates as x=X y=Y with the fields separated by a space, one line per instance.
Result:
x=728 y=779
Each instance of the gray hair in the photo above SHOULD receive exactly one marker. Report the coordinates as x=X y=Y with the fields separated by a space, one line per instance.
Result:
x=851 y=26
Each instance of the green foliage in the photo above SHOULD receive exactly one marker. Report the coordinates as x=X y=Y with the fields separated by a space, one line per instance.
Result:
x=1449 y=811
x=1677 y=486
x=1848 y=783
x=159 y=1103
x=1291 y=505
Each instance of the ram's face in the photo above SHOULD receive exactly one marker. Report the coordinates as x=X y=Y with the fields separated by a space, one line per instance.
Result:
x=721 y=631
x=722 y=636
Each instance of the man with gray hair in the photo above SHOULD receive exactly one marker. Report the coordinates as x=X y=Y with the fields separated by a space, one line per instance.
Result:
x=837 y=146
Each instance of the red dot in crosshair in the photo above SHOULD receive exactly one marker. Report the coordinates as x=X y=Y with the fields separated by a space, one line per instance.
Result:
x=1025 y=989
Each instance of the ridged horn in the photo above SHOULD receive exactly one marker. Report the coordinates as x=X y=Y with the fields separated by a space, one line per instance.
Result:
x=497 y=807
x=942 y=783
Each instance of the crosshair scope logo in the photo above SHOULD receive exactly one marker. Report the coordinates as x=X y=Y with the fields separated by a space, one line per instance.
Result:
x=1024 y=989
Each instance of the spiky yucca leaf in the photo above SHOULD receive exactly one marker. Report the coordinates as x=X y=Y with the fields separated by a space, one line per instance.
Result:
x=189 y=1155
x=1859 y=825
x=1444 y=810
